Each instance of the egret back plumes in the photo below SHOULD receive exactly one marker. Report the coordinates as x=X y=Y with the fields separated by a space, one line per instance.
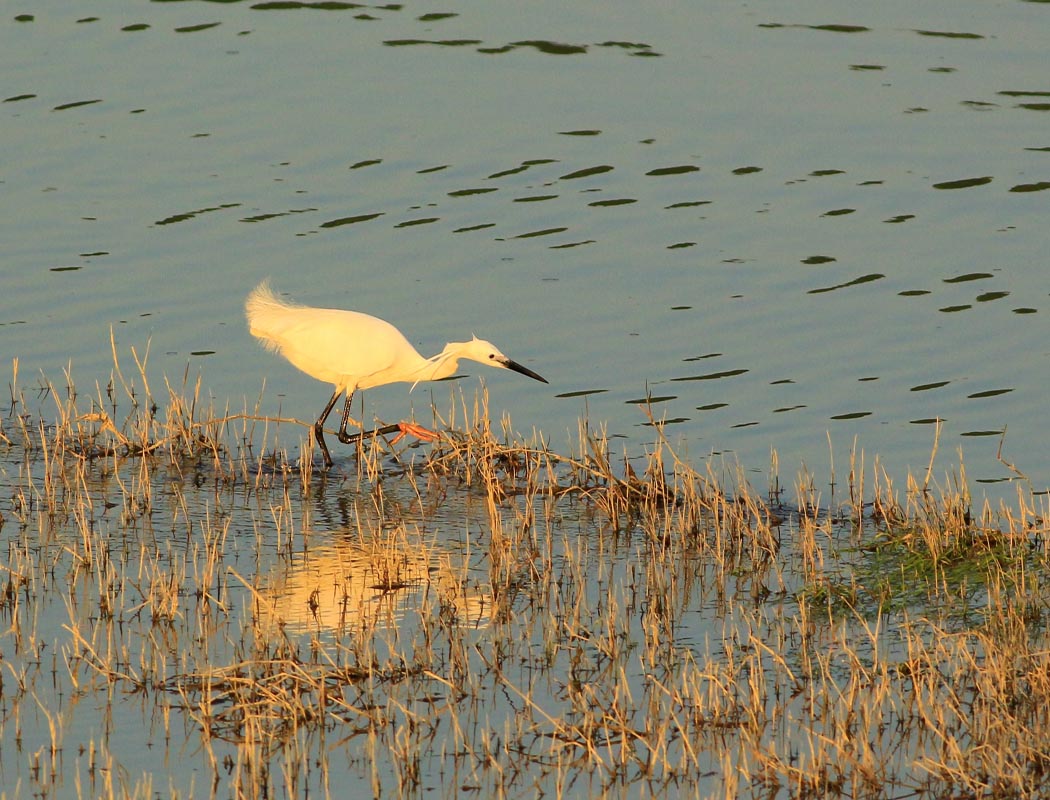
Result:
x=352 y=351
x=348 y=349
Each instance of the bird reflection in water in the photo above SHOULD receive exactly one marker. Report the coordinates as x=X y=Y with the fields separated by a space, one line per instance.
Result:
x=356 y=588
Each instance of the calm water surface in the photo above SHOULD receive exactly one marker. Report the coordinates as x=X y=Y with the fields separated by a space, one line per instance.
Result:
x=776 y=225
x=781 y=225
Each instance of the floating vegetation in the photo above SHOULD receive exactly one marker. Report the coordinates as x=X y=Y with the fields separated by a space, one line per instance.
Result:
x=586 y=172
x=924 y=387
x=965 y=183
x=677 y=170
x=950 y=34
x=352 y=220
x=875 y=276
x=969 y=276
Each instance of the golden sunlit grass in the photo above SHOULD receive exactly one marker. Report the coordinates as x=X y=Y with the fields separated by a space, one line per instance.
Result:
x=490 y=617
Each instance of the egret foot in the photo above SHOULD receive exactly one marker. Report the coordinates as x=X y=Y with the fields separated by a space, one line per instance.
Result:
x=402 y=429
x=411 y=429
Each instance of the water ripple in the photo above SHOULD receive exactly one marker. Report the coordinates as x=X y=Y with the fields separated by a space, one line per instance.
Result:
x=874 y=276
x=964 y=183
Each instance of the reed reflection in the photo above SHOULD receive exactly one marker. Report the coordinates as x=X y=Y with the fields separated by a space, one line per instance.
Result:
x=357 y=587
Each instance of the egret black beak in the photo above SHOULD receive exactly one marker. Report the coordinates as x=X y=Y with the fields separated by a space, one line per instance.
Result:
x=514 y=365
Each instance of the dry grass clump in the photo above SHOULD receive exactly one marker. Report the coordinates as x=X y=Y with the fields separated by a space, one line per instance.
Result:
x=490 y=616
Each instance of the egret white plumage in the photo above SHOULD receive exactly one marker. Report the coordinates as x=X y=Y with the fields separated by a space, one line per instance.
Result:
x=352 y=351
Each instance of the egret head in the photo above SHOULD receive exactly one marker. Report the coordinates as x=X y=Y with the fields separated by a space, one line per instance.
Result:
x=487 y=353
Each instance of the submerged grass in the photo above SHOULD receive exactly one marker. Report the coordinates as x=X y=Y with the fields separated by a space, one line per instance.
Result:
x=491 y=617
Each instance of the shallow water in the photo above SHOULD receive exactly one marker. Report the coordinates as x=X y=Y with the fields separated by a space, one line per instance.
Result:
x=805 y=228
x=491 y=620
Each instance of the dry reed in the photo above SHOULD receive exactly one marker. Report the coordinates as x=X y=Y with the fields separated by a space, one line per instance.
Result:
x=498 y=618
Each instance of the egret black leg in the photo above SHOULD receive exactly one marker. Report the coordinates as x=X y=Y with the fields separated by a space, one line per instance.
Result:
x=342 y=434
x=319 y=426
x=350 y=438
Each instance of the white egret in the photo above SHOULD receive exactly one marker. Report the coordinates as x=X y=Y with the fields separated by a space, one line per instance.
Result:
x=355 y=351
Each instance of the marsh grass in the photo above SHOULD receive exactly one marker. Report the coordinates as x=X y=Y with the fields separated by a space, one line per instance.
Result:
x=488 y=616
